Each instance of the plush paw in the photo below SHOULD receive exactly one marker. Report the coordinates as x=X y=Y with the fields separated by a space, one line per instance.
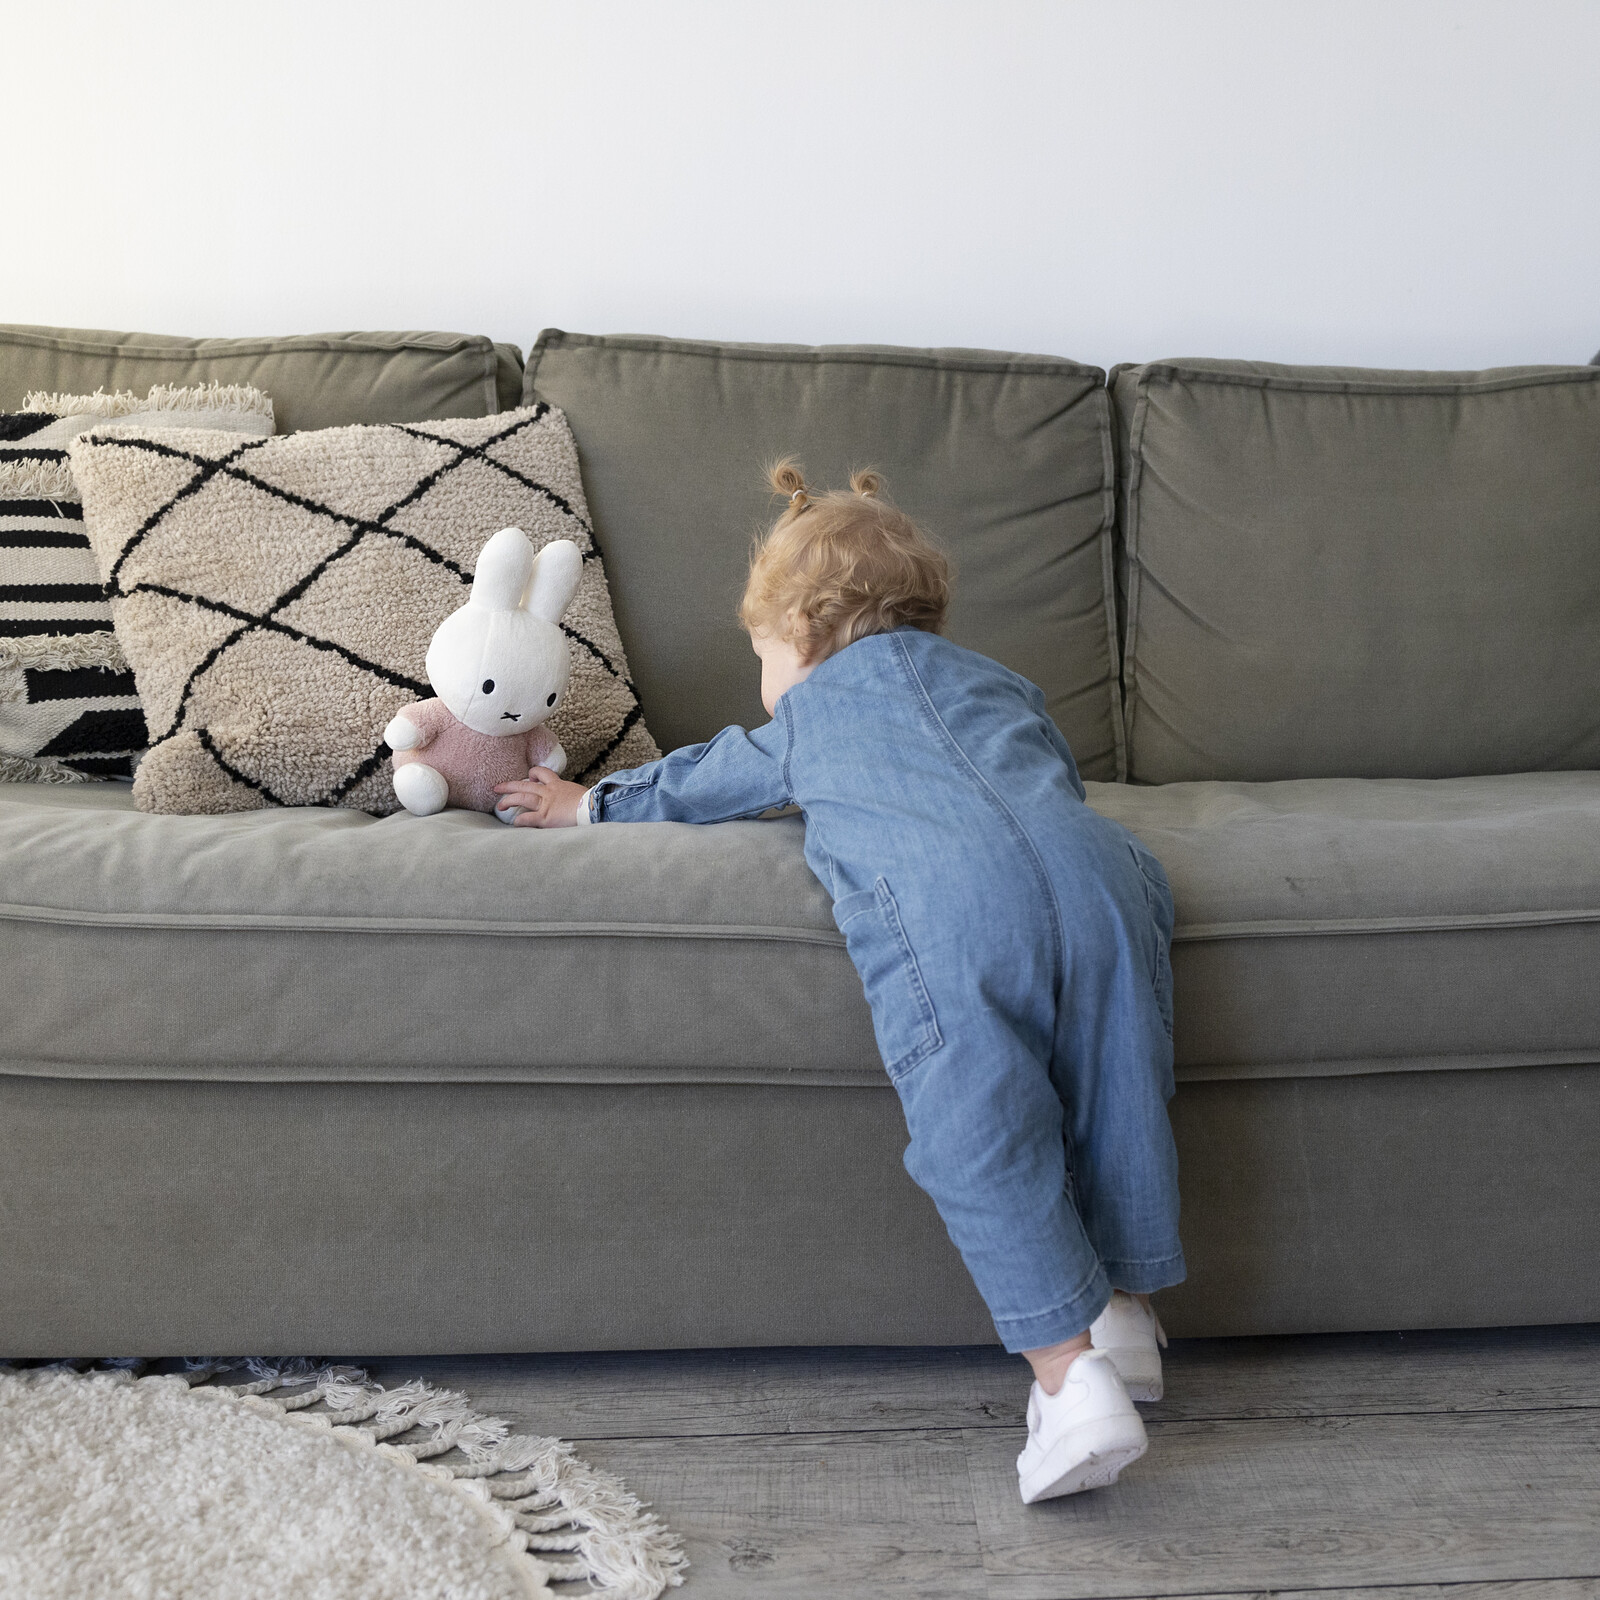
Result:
x=420 y=789
x=557 y=761
x=402 y=733
x=508 y=814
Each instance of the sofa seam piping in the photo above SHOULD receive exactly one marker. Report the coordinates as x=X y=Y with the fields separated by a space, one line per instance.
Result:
x=292 y=343
x=1023 y=364
x=1171 y=373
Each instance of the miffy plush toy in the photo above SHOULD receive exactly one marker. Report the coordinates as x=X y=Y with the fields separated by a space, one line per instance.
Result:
x=499 y=666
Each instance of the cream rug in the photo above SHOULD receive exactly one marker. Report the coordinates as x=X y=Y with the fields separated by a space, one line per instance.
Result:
x=292 y=1480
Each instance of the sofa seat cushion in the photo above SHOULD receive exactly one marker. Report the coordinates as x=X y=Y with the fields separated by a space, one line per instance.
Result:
x=1324 y=927
x=312 y=943
x=1359 y=925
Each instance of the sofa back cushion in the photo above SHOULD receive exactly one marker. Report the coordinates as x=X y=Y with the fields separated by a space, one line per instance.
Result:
x=319 y=380
x=1004 y=459
x=1335 y=572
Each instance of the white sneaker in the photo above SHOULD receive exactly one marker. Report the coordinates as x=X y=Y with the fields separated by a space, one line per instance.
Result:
x=1082 y=1436
x=1130 y=1334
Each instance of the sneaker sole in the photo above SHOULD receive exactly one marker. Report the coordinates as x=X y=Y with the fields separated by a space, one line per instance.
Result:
x=1117 y=1446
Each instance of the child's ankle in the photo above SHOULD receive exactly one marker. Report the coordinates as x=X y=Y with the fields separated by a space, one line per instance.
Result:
x=1050 y=1362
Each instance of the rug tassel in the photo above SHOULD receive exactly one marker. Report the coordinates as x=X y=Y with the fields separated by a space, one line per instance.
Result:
x=543 y=1496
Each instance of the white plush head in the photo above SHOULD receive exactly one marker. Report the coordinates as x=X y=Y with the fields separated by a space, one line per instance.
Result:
x=501 y=663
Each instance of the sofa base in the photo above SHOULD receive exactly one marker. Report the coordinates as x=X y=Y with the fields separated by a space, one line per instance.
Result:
x=356 y=1219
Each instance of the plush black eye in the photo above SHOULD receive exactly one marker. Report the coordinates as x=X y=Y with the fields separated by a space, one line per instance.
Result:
x=551 y=701
x=488 y=685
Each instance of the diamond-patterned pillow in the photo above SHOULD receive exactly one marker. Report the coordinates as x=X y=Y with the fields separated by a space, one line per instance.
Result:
x=275 y=597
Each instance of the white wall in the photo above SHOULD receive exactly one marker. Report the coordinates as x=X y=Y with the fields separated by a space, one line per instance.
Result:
x=1392 y=182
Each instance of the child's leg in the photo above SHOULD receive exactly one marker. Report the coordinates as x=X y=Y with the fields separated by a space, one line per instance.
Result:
x=1112 y=1059
x=1049 y=1045
x=987 y=1146
x=1050 y=1362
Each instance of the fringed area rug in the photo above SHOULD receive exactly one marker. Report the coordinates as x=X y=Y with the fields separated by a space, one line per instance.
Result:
x=235 y=1480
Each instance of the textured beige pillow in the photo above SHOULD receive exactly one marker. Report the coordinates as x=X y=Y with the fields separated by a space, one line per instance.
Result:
x=275 y=597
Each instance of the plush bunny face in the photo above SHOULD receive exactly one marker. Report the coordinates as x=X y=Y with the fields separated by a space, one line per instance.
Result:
x=501 y=662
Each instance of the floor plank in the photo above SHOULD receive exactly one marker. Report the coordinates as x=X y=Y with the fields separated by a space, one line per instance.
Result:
x=1310 y=1502
x=679 y=1393
x=812 y=1516
x=693 y=1392
x=1439 y=1466
x=1493 y=1369
x=1517 y=1589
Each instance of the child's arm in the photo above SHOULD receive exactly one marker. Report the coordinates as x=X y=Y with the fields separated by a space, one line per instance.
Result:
x=1053 y=735
x=737 y=774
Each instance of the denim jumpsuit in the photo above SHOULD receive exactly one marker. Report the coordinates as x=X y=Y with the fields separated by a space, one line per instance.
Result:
x=1014 y=949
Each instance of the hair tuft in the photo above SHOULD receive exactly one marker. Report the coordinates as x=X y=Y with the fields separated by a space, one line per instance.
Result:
x=788 y=478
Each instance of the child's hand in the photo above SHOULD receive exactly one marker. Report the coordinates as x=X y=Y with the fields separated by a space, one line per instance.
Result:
x=546 y=800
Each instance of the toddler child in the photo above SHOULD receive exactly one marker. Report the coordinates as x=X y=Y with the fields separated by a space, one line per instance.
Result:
x=1013 y=945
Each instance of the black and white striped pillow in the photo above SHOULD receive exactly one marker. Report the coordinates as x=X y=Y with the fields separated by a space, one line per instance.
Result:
x=68 y=707
x=48 y=579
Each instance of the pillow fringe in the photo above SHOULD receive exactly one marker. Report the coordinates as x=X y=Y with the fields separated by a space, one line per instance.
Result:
x=21 y=769
x=59 y=652
x=214 y=396
x=35 y=477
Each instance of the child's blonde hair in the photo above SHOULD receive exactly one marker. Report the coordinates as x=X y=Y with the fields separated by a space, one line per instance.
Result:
x=840 y=565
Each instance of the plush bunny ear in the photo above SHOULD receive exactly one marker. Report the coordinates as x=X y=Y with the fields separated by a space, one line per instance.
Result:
x=504 y=565
x=556 y=570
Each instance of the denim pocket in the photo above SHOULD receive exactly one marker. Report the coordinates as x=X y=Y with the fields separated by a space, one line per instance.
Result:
x=1158 y=898
x=903 y=1018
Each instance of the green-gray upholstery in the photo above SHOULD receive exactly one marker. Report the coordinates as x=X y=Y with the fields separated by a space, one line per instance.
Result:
x=316 y=381
x=1006 y=459
x=310 y=1080
x=312 y=943
x=1345 y=925
x=360 y=1219
x=1324 y=927
x=617 y=1087
x=1335 y=572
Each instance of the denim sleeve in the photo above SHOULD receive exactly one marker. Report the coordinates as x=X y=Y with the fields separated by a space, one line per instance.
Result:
x=1053 y=734
x=736 y=774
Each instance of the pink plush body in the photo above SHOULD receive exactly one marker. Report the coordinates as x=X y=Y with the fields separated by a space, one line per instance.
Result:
x=472 y=763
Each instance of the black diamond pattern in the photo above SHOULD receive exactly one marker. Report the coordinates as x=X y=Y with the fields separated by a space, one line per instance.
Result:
x=235 y=465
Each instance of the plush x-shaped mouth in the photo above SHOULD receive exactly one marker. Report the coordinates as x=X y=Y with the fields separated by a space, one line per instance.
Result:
x=511 y=716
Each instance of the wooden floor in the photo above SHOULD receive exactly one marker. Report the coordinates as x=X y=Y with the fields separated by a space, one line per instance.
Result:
x=1424 y=1466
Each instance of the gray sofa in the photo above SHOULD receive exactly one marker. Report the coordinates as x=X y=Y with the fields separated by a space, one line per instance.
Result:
x=1329 y=641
